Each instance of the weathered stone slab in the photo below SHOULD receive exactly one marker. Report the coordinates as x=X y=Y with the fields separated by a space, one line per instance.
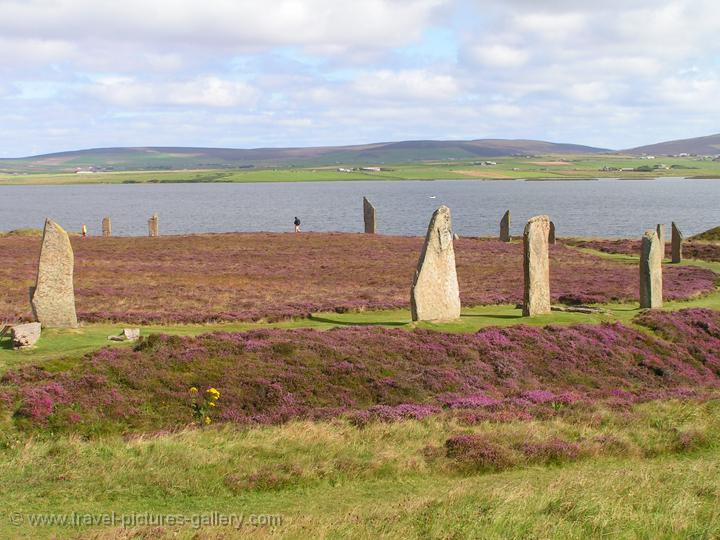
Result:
x=106 y=227
x=551 y=234
x=677 y=244
x=435 y=295
x=661 y=237
x=128 y=334
x=651 y=257
x=505 y=227
x=369 y=217
x=154 y=226
x=53 y=297
x=25 y=335
x=536 y=266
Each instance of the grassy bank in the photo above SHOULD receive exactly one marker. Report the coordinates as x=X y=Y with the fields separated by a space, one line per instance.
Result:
x=645 y=472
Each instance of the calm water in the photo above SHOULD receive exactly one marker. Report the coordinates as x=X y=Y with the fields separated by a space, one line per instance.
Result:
x=582 y=208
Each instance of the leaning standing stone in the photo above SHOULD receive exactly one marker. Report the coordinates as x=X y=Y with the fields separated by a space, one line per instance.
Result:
x=536 y=266
x=661 y=238
x=551 y=234
x=505 y=227
x=435 y=295
x=677 y=244
x=53 y=297
x=651 y=271
x=369 y=217
x=153 y=226
x=106 y=227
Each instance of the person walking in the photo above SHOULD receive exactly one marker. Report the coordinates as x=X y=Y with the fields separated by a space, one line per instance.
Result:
x=297 y=224
x=84 y=231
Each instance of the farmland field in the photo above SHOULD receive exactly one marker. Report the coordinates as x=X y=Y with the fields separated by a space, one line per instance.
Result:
x=505 y=168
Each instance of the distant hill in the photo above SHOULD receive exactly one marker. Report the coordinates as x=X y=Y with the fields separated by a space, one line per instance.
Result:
x=154 y=158
x=705 y=146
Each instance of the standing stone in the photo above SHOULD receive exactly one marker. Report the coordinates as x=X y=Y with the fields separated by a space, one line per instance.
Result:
x=25 y=335
x=369 y=217
x=651 y=271
x=677 y=244
x=53 y=297
x=106 y=227
x=153 y=226
x=551 y=234
x=505 y=227
x=661 y=237
x=536 y=266
x=435 y=295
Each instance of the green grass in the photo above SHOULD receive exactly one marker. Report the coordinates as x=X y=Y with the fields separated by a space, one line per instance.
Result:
x=332 y=480
x=507 y=168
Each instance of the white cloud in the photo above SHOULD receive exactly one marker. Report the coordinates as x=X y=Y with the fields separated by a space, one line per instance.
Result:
x=206 y=91
x=239 y=24
x=502 y=56
x=407 y=84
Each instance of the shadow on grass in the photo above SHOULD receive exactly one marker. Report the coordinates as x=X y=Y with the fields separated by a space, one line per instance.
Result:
x=490 y=316
x=351 y=323
x=6 y=343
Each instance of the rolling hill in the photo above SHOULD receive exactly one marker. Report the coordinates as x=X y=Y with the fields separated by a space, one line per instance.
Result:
x=155 y=158
x=708 y=145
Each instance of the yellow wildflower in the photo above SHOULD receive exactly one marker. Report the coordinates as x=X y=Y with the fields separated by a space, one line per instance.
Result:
x=211 y=403
x=207 y=420
x=193 y=390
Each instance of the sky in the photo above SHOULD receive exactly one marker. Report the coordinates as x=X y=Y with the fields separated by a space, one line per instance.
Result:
x=249 y=73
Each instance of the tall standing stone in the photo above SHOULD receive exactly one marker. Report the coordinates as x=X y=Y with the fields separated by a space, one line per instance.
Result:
x=651 y=257
x=369 y=216
x=677 y=244
x=435 y=295
x=106 y=227
x=536 y=266
x=505 y=227
x=661 y=238
x=53 y=297
x=153 y=226
x=551 y=234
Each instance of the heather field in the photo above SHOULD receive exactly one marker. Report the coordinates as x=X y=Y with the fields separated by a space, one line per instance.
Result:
x=256 y=276
x=272 y=376
x=354 y=423
x=543 y=432
x=704 y=251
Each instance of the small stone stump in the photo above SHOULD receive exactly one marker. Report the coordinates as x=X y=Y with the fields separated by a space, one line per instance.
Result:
x=661 y=238
x=536 y=267
x=505 y=227
x=127 y=334
x=551 y=234
x=369 y=217
x=651 y=284
x=106 y=227
x=435 y=294
x=53 y=297
x=677 y=244
x=154 y=226
x=25 y=335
